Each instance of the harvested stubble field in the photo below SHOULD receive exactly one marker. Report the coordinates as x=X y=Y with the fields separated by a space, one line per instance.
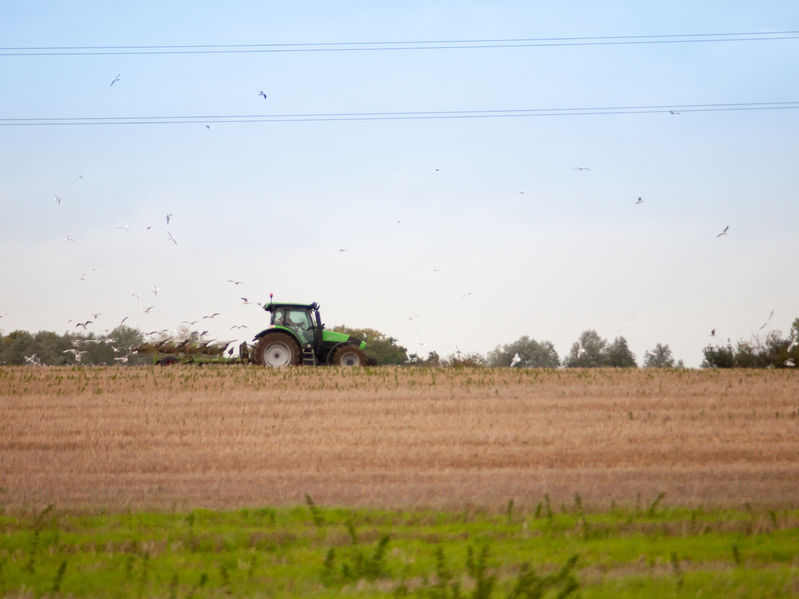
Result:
x=229 y=437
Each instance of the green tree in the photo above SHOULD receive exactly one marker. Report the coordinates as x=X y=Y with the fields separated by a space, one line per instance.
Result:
x=660 y=357
x=16 y=345
x=50 y=347
x=532 y=354
x=774 y=351
x=619 y=355
x=432 y=359
x=717 y=356
x=464 y=360
x=587 y=352
x=592 y=351
x=378 y=345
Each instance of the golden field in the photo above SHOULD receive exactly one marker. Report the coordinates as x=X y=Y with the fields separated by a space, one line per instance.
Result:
x=231 y=436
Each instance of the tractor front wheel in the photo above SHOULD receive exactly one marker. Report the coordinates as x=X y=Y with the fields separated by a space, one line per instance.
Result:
x=277 y=350
x=349 y=356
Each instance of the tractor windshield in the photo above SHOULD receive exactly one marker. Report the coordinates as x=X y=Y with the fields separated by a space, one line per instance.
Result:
x=296 y=319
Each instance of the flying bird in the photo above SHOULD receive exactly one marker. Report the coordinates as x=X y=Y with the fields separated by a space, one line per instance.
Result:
x=75 y=354
x=712 y=332
x=84 y=324
x=237 y=283
x=640 y=200
x=57 y=200
x=763 y=326
x=582 y=168
x=515 y=360
x=115 y=79
x=724 y=231
x=214 y=315
x=261 y=93
x=171 y=238
x=69 y=238
x=168 y=217
x=155 y=289
x=673 y=112
x=147 y=309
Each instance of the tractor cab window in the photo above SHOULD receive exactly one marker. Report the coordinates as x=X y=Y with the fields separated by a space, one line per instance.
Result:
x=298 y=320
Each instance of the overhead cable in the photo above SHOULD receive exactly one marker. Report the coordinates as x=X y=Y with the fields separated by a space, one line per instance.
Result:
x=667 y=109
x=374 y=46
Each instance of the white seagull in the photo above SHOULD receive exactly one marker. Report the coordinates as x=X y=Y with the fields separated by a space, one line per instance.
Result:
x=115 y=79
x=724 y=231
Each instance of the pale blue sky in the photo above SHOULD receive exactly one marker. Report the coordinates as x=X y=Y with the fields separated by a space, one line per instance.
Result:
x=272 y=204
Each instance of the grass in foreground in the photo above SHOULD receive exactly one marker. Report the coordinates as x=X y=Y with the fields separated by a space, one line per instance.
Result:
x=310 y=551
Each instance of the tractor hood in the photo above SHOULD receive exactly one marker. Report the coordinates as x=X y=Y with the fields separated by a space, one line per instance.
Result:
x=336 y=337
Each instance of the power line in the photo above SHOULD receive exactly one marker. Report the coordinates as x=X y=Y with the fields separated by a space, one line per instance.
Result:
x=444 y=44
x=669 y=109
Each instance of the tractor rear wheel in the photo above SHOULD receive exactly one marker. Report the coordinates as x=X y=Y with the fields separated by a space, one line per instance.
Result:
x=276 y=350
x=349 y=356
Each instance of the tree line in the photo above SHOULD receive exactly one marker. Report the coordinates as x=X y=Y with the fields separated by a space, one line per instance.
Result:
x=590 y=350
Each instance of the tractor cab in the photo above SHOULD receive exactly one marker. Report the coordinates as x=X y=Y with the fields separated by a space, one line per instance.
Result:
x=301 y=319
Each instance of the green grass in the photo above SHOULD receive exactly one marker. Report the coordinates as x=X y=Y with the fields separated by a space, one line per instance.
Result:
x=313 y=551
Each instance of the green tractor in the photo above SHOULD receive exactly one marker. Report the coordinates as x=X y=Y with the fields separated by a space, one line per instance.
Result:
x=297 y=336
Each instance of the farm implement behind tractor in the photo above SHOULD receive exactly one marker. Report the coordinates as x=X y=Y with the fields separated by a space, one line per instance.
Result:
x=169 y=351
x=296 y=336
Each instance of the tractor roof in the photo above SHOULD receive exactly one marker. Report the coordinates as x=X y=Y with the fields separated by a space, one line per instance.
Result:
x=274 y=305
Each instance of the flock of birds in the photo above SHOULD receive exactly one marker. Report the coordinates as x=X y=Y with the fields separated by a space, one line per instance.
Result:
x=146 y=309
